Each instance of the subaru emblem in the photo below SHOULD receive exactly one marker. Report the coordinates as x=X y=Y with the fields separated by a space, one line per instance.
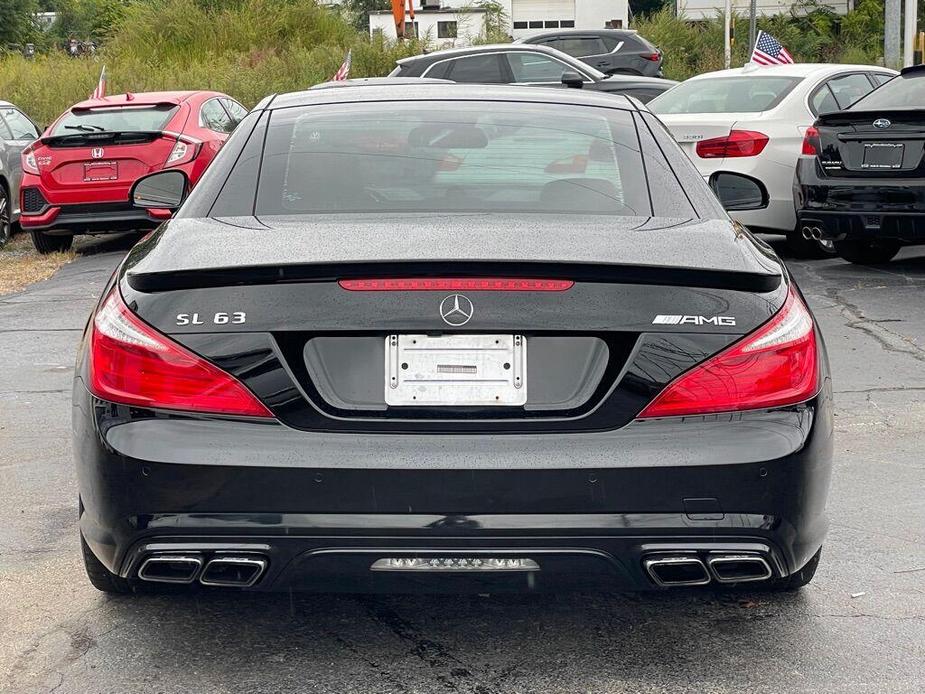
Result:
x=882 y=123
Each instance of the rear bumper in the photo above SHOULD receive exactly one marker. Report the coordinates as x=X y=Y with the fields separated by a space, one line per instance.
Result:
x=320 y=508
x=859 y=208
x=88 y=219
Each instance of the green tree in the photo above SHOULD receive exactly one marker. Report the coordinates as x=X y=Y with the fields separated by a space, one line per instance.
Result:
x=87 y=20
x=358 y=11
x=16 y=21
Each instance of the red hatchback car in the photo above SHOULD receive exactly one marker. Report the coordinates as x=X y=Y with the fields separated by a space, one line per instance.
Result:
x=77 y=176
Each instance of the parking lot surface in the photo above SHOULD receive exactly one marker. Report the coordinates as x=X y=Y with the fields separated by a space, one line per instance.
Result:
x=859 y=627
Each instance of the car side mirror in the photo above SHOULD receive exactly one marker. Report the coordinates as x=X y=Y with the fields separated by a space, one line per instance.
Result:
x=736 y=192
x=572 y=79
x=163 y=190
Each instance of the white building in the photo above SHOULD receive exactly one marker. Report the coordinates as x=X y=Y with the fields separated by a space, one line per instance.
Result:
x=456 y=22
x=708 y=9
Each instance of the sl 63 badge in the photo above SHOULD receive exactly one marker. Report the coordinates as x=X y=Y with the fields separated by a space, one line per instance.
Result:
x=221 y=318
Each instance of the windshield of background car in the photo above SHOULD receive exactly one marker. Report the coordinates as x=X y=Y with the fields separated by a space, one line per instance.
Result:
x=747 y=93
x=899 y=92
x=441 y=156
x=116 y=119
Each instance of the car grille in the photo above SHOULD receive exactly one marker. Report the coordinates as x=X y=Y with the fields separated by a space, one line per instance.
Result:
x=33 y=201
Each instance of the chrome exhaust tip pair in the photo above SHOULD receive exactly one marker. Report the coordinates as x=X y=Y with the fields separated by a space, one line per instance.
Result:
x=223 y=571
x=670 y=571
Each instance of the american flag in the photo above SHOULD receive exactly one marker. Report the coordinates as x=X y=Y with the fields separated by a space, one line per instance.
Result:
x=344 y=69
x=100 y=90
x=769 y=51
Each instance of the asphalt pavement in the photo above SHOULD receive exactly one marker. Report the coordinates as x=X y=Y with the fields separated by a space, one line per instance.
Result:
x=859 y=627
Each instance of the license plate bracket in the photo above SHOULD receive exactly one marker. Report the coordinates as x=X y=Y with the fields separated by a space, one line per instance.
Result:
x=101 y=171
x=883 y=155
x=455 y=370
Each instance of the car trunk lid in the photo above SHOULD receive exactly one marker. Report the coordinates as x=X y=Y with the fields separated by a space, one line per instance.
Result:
x=104 y=160
x=688 y=129
x=873 y=143
x=284 y=316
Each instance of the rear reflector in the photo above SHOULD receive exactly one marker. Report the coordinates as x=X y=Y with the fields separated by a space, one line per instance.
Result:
x=738 y=143
x=133 y=364
x=472 y=284
x=774 y=366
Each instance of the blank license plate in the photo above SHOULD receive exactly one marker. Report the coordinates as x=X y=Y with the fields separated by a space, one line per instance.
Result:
x=101 y=171
x=455 y=370
x=883 y=155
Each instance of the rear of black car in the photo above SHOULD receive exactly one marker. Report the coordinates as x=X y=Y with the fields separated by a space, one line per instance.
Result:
x=861 y=179
x=516 y=365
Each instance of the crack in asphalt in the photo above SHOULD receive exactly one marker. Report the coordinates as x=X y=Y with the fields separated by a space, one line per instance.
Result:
x=433 y=654
x=887 y=339
x=883 y=389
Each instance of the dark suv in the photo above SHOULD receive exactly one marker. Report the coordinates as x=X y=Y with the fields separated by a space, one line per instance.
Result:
x=534 y=66
x=612 y=51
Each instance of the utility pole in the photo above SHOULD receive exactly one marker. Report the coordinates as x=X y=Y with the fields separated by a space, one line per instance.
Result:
x=727 y=45
x=891 y=55
x=912 y=10
x=752 y=24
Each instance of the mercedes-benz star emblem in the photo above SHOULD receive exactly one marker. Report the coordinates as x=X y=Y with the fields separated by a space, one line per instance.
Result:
x=882 y=123
x=97 y=152
x=456 y=310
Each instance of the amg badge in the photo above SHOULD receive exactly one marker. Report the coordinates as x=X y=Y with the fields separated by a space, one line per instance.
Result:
x=693 y=320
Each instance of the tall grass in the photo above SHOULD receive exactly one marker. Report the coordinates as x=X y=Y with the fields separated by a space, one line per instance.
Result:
x=248 y=49
x=811 y=33
x=251 y=48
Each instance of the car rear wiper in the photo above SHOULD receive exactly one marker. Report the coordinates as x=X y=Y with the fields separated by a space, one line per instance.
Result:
x=86 y=128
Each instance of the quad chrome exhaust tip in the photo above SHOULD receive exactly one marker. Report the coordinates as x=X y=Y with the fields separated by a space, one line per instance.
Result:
x=678 y=570
x=170 y=568
x=233 y=571
x=739 y=568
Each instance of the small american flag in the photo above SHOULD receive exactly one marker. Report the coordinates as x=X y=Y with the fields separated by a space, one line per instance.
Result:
x=769 y=51
x=100 y=90
x=344 y=69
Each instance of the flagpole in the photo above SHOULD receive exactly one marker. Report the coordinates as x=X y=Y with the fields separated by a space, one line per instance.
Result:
x=911 y=17
x=727 y=44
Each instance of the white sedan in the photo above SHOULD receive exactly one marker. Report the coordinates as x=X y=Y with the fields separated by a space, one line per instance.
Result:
x=750 y=122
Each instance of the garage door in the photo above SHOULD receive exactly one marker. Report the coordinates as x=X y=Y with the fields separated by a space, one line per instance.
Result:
x=525 y=10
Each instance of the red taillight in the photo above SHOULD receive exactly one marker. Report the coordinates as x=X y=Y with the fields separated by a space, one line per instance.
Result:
x=29 y=164
x=738 y=143
x=452 y=284
x=133 y=364
x=654 y=57
x=776 y=365
x=184 y=151
x=811 y=144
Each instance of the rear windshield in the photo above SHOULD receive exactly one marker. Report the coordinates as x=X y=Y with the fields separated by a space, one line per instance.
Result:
x=451 y=156
x=740 y=94
x=899 y=92
x=116 y=119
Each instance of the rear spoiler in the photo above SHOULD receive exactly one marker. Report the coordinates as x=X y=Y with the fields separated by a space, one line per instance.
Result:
x=128 y=104
x=851 y=117
x=331 y=272
x=79 y=138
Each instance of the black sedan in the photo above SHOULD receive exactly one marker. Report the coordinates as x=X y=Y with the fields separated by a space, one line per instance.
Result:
x=449 y=338
x=860 y=182
x=525 y=64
